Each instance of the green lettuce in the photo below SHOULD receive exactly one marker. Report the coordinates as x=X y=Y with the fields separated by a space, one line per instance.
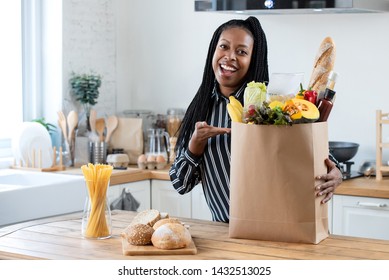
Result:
x=254 y=94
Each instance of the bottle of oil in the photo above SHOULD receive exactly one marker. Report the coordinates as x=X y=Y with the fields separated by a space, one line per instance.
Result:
x=325 y=104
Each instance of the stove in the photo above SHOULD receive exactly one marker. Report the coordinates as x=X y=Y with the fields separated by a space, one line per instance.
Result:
x=347 y=172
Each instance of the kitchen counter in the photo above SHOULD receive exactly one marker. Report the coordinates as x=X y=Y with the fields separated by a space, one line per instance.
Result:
x=362 y=186
x=365 y=186
x=60 y=238
x=131 y=174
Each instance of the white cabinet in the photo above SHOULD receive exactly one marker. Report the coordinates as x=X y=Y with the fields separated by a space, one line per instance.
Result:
x=161 y=195
x=166 y=199
x=330 y=213
x=361 y=216
x=140 y=191
x=191 y=205
x=200 y=209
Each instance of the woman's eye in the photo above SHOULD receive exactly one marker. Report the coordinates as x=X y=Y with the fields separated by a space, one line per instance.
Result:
x=242 y=52
x=223 y=47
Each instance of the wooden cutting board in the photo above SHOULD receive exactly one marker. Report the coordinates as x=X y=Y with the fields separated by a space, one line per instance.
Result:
x=132 y=250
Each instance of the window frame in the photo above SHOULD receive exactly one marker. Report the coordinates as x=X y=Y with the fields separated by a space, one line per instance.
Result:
x=31 y=52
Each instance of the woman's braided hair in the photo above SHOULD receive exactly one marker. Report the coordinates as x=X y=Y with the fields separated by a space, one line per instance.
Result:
x=258 y=71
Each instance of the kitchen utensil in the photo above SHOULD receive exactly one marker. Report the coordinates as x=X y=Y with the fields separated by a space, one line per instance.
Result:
x=100 y=127
x=343 y=151
x=368 y=168
x=112 y=123
x=62 y=124
x=92 y=120
x=72 y=124
x=98 y=152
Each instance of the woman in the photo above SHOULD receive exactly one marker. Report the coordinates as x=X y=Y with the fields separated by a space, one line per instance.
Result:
x=237 y=55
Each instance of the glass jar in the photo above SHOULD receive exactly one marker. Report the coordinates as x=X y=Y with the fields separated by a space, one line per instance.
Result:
x=174 y=119
x=96 y=218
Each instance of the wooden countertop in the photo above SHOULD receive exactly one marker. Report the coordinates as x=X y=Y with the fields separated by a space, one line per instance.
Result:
x=362 y=186
x=131 y=174
x=365 y=186
x=60 y=238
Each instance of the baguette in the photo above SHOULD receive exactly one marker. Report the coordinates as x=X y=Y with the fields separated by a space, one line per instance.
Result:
x=324 y=64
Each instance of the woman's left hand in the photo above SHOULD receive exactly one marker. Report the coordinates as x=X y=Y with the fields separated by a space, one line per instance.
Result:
x=331 y=181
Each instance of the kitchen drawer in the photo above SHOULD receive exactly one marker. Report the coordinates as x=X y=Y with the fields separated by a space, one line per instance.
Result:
x=361 y=216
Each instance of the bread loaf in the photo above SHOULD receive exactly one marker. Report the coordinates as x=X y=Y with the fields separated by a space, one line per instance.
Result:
x=165 y=221
x=171 y=236
x=324 y=63
x=147 y=217
x=138 y=234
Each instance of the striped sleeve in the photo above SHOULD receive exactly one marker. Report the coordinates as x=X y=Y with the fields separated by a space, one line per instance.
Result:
x=185 y=171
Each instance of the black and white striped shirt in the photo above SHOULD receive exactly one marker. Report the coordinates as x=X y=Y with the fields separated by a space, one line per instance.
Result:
x=212 y=169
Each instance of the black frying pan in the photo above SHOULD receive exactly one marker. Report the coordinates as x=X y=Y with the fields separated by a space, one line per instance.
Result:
x=343 y=151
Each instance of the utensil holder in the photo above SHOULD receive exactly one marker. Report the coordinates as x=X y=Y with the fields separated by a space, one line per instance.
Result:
x=98 y=152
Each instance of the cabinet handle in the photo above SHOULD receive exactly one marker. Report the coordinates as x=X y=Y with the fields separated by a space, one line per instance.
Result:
x=371 y=204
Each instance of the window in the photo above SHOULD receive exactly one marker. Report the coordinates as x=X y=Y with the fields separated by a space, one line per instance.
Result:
x=20 y=68
x=11 y=101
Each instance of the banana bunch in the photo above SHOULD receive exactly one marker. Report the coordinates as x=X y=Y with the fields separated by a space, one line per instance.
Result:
x=235 y=109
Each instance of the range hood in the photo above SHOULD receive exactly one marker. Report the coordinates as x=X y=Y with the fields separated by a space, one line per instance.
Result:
x=263 y=7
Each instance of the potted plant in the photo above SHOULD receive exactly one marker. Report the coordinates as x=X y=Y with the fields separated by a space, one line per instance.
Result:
x=85 y=88
x=49 y=126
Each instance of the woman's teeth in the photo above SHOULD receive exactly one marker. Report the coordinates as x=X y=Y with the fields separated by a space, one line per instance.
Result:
x=228 y=68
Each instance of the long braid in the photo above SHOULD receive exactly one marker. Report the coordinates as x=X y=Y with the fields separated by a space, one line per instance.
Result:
x=258 y=70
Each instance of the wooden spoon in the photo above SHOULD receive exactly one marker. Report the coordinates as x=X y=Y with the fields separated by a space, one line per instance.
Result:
x=62 y=124
x=100 y=127
x=92 y=120
x=72 y=124
x=112 y=123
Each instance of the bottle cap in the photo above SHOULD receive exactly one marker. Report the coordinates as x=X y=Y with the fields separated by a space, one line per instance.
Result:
x=333 y=76
x=329 y=94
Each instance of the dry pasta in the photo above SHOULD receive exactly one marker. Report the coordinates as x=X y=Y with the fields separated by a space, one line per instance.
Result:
x=97 y=181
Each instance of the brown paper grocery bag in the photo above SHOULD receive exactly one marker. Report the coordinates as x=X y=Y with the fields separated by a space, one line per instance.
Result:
x=129 y=136
x=273 y=169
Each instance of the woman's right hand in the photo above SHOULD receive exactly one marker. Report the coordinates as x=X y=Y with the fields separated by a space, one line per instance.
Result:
x=200 y=136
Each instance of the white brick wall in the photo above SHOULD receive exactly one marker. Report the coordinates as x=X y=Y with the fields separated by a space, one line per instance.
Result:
x=89 y=46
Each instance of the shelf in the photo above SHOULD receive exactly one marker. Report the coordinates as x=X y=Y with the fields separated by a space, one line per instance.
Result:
x=384 y=168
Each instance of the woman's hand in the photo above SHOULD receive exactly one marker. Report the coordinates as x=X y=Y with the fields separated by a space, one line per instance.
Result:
x=201 y=134
x=332 y=180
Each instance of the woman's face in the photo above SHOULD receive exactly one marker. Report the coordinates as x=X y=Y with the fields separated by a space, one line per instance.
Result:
x=231 y=59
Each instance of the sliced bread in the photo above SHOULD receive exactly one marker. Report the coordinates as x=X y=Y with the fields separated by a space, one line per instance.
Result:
x=147 y=217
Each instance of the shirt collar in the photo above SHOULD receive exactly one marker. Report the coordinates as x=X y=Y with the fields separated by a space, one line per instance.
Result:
x=217 y=95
